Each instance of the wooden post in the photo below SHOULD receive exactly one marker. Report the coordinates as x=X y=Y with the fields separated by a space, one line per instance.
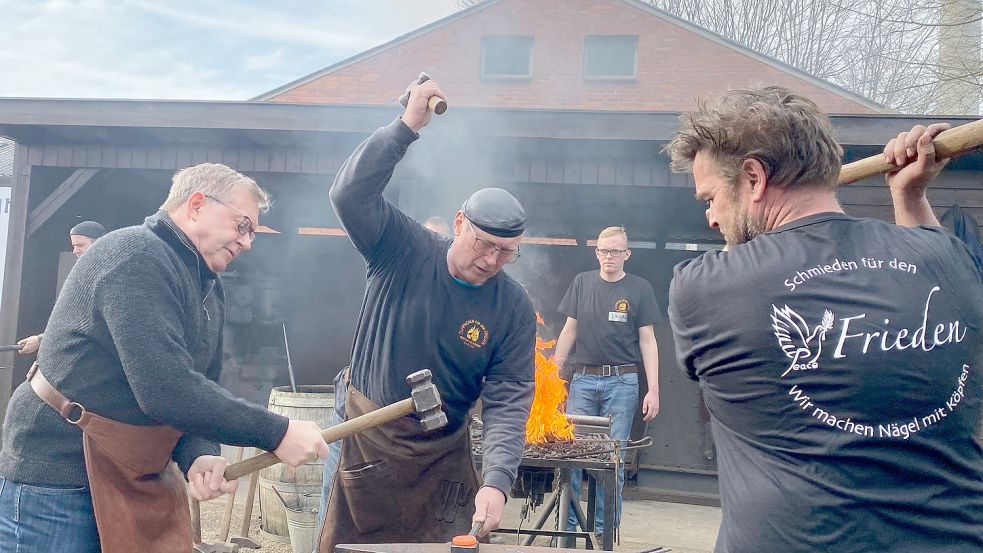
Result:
x=13 y=270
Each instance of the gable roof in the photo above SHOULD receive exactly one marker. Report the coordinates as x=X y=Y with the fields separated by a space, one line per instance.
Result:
x=402 y=39
x=648 y=9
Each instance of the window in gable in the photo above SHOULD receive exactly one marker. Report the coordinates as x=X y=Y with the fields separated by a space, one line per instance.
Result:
x=610 y=56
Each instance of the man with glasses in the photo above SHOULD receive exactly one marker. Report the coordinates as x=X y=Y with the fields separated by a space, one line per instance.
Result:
x=126 y=381
x=435 y=304
x=610 y=327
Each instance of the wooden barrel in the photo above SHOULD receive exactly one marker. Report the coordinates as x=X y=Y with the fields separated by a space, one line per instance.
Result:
x=303 y=483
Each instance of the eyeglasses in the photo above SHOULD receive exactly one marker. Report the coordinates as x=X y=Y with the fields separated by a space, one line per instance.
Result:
x=609 y=253
x=245 y=225
x=483 y=247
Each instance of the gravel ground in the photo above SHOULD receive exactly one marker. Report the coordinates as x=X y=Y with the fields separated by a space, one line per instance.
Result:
x=212 y=513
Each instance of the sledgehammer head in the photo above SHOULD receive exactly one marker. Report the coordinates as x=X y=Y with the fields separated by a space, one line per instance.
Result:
x=426 y=400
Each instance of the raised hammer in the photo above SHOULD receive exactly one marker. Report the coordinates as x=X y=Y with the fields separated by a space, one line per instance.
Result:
x=424 y=400
x=437 y=105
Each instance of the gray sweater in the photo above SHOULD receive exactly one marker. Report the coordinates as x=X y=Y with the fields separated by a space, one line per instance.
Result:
x=135 y=336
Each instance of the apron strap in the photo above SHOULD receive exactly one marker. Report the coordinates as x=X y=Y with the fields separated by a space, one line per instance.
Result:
x=71 y=411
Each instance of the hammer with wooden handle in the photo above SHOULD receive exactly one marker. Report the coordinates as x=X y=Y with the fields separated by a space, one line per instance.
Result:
x=948 y=143
x=437 y=105
x=424 y=400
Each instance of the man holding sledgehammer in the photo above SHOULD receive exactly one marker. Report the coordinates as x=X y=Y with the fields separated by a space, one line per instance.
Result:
x=125 y=383
x=438 y=304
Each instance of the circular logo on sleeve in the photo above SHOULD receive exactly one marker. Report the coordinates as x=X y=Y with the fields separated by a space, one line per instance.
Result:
x=473 y=333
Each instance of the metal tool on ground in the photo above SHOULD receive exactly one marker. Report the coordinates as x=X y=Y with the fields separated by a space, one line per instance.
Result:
x=216 y=548
x=949 y=143
x=11 y=347
x=424 y=401
x=198 y=546
x=290 y=367
x=436 y=105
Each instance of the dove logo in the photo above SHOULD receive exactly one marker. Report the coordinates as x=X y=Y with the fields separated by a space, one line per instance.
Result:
x=799 y=344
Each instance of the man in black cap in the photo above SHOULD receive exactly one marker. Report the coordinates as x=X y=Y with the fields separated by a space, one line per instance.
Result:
x=441 y=305
x=82 y=236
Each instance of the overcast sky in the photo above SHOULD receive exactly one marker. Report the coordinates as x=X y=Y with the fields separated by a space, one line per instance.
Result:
x=188 y=49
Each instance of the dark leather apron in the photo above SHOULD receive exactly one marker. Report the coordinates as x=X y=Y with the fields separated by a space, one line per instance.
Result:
x=138 y=493
x=395 y=484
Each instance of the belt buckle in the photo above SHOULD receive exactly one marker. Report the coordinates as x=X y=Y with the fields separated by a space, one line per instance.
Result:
x=606 y=370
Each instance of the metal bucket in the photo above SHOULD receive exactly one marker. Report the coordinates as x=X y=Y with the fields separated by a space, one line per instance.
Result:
x=311 y=403
x=302 y=525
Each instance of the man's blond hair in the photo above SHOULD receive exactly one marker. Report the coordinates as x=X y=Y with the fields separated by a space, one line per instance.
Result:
x=613 y=231
x=212 y=179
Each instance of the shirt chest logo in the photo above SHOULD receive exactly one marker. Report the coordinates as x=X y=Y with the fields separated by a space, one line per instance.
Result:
x=473 y=333
x=620 y=313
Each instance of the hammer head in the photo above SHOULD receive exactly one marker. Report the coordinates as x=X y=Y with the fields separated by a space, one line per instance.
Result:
x=426 y=400
x=405 y=98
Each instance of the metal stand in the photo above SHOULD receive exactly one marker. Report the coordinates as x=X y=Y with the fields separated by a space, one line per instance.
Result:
x=560 y=502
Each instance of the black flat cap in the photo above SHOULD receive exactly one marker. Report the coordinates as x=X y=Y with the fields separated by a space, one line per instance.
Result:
x=496 y=212
x=91 y=229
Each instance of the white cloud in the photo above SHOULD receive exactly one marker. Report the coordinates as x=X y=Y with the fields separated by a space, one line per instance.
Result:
x=205 y=49
x=263 y=61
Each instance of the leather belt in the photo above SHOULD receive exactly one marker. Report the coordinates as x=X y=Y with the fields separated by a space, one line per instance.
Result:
x=50 y=395
x=608 y=370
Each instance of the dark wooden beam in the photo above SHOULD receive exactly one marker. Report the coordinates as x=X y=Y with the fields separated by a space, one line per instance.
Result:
x=62 y=194
x=13 y=268
x=22 y=117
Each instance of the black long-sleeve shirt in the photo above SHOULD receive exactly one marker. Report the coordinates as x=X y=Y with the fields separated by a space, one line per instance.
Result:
x=477 y=341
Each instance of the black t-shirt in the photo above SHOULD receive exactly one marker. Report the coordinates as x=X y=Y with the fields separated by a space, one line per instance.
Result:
x=840 y=360
x=608 y=315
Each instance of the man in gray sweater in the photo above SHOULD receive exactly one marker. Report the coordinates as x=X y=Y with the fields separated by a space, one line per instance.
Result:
x=136 y=338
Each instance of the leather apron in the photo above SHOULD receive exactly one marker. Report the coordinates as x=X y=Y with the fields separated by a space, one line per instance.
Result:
x=396 y=484
x=138 y=493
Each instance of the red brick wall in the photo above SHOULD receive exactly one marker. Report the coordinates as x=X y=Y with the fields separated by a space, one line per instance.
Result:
x=674 y=65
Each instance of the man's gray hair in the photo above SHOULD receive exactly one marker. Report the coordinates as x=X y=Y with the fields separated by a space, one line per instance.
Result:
x=212 y=179
x=784 y=131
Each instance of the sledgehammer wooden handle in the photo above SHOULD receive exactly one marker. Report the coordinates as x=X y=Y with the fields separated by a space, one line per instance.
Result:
x=335 y=433
x=950 y=143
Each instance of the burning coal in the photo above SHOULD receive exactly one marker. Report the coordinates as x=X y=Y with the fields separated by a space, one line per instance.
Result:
x=547 y=423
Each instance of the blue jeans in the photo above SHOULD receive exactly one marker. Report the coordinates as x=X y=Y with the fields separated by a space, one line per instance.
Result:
x=615 y=395
x=46 y=519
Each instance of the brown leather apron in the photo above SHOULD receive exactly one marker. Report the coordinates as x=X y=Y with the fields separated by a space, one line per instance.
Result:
x=395 y=484
x=138 y=493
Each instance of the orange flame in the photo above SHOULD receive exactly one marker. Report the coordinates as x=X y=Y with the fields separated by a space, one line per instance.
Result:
x=546 y=422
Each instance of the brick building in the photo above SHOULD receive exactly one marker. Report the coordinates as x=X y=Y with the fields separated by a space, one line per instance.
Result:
x=618 y=55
